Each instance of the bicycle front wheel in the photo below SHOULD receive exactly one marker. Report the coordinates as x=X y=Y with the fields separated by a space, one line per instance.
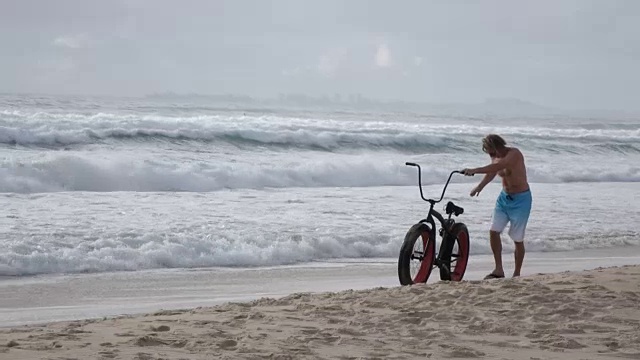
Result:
x=417 y=255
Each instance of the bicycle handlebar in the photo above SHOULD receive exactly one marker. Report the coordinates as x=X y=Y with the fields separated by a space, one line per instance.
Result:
x=431 y=201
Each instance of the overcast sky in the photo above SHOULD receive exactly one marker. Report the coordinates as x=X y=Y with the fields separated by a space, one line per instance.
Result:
x=573 y=54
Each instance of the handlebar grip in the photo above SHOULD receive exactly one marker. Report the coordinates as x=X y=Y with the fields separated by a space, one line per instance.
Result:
x=461 y=172
x=410 y=164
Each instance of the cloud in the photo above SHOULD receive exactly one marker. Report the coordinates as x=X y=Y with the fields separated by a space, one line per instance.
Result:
x=331 y=61
x=296 y=71
x=71 y=42
x=291 y=72
x=57 y=65
x=382 y=58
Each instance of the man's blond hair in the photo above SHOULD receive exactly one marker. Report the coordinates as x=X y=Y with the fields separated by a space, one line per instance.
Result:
x=493 y=142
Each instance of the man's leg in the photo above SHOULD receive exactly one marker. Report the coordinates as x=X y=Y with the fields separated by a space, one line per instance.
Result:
x=519 y=255
x=499 y=222
x=496 y=248
x=519 y=220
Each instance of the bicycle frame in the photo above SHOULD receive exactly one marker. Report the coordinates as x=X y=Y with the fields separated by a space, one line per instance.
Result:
x=445 y=224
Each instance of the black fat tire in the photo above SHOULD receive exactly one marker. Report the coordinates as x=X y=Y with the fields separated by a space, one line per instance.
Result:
x=404 y=259
x=459 y=234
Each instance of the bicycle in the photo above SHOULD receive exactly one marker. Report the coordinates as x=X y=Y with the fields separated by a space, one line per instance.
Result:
x=454 y=247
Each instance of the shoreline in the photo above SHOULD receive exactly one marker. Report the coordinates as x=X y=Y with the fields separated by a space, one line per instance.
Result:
x=49 y=298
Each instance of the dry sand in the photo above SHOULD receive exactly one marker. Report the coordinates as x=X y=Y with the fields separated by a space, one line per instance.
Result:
x=591 y=314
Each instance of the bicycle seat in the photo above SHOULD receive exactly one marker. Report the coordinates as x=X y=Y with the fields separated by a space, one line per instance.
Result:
x=453 y=209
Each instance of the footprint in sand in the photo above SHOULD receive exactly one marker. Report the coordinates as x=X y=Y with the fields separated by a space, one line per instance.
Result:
x=461 y=352
x=127 y=334
x=227 y=344
x=169 y=312
x=612 y=344
x=160 y=328
x=148 y=341
x=564 y=291
x=143 y=356
x=108 y=354
x=559 y=342
x=561 y=282
x=350 y=332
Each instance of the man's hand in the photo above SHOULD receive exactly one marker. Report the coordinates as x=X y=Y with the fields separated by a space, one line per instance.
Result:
x=476 y=191
x=469 y=172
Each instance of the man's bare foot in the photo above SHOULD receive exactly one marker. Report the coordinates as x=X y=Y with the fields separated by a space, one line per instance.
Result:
x=495 y=274
x=516 y=274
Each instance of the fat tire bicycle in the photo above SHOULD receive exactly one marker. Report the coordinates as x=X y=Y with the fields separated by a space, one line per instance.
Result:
x=453 y=254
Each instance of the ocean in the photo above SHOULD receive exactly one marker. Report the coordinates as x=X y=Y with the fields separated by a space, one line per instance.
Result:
x=96 y=185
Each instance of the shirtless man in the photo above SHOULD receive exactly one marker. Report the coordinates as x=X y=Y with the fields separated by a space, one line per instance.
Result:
x=514 y=202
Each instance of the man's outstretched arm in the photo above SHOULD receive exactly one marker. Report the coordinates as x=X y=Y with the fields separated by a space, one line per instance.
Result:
x=485 y=180
x=493 y=168
x=488 y=177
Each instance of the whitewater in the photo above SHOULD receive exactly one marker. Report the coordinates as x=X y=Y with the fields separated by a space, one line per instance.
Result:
x=106 y=184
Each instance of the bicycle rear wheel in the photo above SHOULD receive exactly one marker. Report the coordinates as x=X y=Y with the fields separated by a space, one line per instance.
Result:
x=455 y=254
x=417 y=255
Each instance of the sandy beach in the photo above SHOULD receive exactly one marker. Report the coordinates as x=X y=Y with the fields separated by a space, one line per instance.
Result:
x=591 y=314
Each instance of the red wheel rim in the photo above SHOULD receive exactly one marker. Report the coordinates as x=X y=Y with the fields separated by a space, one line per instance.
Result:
x=427 y=260
x=463 y=256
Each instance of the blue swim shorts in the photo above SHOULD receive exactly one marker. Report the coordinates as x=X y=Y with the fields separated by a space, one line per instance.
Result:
x=514 y=209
